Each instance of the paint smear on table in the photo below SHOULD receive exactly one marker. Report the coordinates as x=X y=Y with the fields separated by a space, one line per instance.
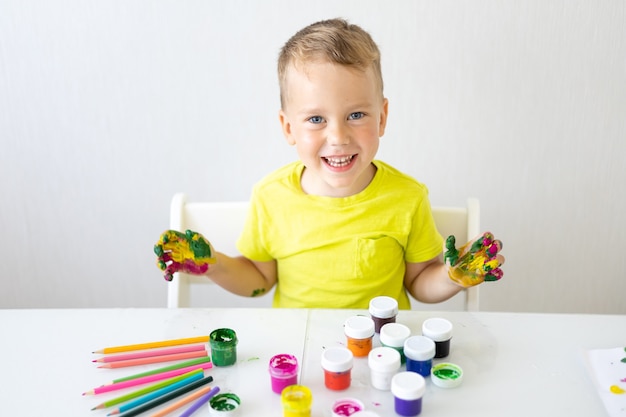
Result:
x=607 y=368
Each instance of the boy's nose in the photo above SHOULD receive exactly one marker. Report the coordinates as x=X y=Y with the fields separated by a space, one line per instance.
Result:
x=338 y=135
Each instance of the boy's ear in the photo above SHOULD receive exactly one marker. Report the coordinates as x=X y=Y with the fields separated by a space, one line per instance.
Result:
x=286 y=126
x=383 y=117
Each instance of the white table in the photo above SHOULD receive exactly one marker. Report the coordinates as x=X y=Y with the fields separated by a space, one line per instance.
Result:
x=514 y=364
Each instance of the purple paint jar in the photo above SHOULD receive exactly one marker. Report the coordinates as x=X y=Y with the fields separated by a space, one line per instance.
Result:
x=408 y=389
x=383 y=310
x=283 y=370
x=419 y=352
x=440 y=331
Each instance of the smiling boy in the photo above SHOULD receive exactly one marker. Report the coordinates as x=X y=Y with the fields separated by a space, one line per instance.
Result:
x=337 y=227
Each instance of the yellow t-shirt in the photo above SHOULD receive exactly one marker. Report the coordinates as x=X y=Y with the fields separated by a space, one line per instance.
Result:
x=340 y=252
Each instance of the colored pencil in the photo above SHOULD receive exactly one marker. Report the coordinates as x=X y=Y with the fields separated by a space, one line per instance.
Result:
x=149 y=353
x=152 y=345
x=183 y=401
x=146 y=379
x=203 y=400
x=154 y=359
x=156 y=394
x=142 y=391
x=167 y=397
x=165 y=369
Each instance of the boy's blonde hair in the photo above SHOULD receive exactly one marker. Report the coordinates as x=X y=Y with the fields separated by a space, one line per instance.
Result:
x=335 y=41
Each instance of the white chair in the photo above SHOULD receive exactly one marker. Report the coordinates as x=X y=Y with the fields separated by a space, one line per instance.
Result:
x=222 y=222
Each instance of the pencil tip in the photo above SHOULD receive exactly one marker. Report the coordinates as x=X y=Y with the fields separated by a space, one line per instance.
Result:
x=88 y=392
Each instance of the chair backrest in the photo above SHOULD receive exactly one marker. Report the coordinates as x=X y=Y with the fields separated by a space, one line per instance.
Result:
x=222 y=223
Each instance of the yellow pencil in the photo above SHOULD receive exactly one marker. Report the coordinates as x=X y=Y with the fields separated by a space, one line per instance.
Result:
x=152 y=345
x=182 y=402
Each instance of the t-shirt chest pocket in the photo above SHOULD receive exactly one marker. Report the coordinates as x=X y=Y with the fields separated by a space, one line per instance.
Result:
x=375 y=255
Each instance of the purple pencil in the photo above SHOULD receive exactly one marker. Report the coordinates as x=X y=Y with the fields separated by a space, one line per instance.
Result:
x=201 y=401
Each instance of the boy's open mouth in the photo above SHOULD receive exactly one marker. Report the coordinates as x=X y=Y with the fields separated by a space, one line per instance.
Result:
x=338 y=161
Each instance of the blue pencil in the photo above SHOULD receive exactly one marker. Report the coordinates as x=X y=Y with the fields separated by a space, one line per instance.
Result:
x=142 y=400
x=201 y=401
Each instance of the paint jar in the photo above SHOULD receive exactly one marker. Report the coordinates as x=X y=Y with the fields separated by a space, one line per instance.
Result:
x=393 y=335
x=224 y=405
x=346 y=407
x=283 y=369
x=337 y=364
x=383 y=362
x=419 y=352
x=408 y=389
x=365 y=413
x=223 y=344
x=296 y=400
x=383 y=310
x=440 y=331
x=447 y=375
x=359 y=332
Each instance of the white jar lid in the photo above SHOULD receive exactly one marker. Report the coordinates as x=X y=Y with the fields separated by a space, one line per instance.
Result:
x=359 y=327
x=383 y=307
x=337 y=359
x=384 y=359
x=437 y=329
x=394 y=334
x=419 y=348
x=408 y=385
x=447 y=375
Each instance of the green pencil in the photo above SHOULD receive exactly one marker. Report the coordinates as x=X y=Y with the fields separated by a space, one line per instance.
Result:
x=190 y=362
x=145 y=390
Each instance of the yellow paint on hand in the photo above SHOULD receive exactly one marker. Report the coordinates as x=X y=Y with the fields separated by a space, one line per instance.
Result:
x=617 y=390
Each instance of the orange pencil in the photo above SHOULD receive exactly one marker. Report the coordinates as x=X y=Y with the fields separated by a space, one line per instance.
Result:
x=154 y=359
x=151 y=345
x=182 y=402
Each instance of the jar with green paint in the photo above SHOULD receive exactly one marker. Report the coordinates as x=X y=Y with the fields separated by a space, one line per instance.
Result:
x=223 y=344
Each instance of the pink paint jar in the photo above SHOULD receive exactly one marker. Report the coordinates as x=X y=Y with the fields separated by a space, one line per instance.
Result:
x=346 y=407
x=337 y=364
x=283 y=369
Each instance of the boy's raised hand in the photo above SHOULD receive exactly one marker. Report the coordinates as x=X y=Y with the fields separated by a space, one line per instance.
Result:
x=186 y=252
x=476 y=261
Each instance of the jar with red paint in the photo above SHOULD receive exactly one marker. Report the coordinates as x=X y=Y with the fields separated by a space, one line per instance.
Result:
x=337 y=364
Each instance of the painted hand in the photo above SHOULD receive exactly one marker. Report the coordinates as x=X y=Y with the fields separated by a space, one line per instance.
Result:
x=186 y=252
x=474 y=262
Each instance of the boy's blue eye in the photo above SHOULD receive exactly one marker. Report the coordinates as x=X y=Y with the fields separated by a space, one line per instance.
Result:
x=316 y=119
x=356 y=115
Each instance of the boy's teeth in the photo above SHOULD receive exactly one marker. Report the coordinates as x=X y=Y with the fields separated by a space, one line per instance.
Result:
x=337 y=162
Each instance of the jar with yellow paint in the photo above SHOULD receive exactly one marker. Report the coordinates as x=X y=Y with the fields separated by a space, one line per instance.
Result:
x=296 y=400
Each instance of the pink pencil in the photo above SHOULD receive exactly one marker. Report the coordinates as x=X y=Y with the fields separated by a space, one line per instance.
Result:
x=150 y=353
x=154 y=359
x=146 y=379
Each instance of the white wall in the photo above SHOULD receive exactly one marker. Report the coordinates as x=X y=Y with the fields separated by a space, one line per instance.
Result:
x=107 y=108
